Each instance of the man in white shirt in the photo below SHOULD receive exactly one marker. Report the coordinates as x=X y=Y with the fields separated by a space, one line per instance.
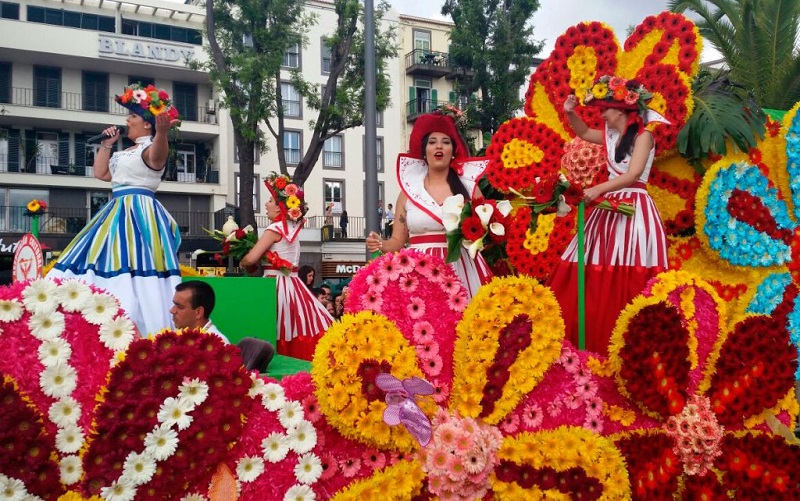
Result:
x=387 y=232
x=192 y=305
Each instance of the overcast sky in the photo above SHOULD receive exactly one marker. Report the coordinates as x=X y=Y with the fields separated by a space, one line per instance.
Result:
x=555 y=16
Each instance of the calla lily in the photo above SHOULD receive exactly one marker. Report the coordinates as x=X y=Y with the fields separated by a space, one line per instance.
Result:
x=231 y=237
x=563 y=207
x=473 y=247
x=453 y=205
x=497 y=229
x=450 y=222
x=248 y=229
x=484 y=212
x=504 y=207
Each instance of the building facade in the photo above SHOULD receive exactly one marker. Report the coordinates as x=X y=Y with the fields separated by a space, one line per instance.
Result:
x=61 y=63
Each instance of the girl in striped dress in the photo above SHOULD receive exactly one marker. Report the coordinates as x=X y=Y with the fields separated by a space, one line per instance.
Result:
x=130 y=247
x=621 y=253
x=302 y=319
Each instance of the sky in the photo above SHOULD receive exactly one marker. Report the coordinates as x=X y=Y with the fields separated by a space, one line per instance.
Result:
x=555 y=16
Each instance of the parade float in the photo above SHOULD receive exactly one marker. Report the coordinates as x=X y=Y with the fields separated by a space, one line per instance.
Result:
x=418 y=393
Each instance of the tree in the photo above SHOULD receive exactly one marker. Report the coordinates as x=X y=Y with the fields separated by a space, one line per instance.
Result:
x=246 y=43
x=491 y=43
x=758 y=39
x=340 y=105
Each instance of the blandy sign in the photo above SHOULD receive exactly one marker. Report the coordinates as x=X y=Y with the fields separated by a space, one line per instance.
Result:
x=121 y=48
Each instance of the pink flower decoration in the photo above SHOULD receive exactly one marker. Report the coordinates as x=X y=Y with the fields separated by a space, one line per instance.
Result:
x=573 y=401
x=311 y=408
x=458 y=302
x=405 y=263
x=532 y=416
x=450 y=285
x=372 y=301
x=392 y=272
x=569 y=360
x=441 y=392
x=376 y=281
x=291 y=189
x=408 y=284
x=374 y=460
x=594 y=424
x=329 y=466
x=427 y=349
x=433 y=366
x=416 y=308
x=510 y=424
x=594 y=406
x=350 y=467
x=587 y=389
x=555 y=407
x=423 y=332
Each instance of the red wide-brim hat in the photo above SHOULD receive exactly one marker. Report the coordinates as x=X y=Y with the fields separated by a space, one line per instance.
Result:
x=619 y=105
x=436 y=122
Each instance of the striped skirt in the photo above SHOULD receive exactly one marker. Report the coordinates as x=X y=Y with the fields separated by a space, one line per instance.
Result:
x=622 y=254
x=471 y=272
x=129 y=248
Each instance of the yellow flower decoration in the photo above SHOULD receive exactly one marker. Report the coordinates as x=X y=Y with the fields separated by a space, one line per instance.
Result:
x=403 y=480
x=600 y=90
x=34 y=205
x=157 y=109
x=292 y=202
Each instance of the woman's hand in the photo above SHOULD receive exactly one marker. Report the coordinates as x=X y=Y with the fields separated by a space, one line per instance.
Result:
x=113 y=135
x=163 y=122
x=589 y=194
x=374 y=242
x=570 y=104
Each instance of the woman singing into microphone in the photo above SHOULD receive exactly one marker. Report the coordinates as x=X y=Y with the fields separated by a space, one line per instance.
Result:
x=130 y=247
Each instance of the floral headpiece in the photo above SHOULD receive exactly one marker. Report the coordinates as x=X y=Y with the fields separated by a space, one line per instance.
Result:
x=437 y=121
x=289 y=197
x=148 y=102
x=618 y=92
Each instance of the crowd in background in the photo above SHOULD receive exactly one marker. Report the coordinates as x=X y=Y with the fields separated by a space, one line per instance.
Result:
x=323 y=292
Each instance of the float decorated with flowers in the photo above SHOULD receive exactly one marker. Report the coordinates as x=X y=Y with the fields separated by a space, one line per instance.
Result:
x=418 y=392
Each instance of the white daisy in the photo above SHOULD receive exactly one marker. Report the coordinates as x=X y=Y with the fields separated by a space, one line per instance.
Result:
x=275 y=447
x=101 y=308
x=58 y=381
x=45 y=326
x=249 y=468
x=40 y=296
x=258 y=385
x=174 y=412
x=308 y=469
x=54 y=351
x=302 y=438
x=194 y=391
x=291 y=414
x=64 y=411
x=71 y=469
x=11 y=489
x=117 y=334
x=161 y=443
x=73 y=295
x=121 y=490
x=31 y=497
x=272 y=397
x=69 y=439
x=300 y=493
x=139 y=468
x=10 y=310
x=194 y=497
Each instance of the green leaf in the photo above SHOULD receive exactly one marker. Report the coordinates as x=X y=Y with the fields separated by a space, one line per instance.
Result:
x=454 y=240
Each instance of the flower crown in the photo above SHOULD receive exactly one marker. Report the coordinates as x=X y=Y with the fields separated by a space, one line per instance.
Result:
x=289 y=197
x=618 y=92
x=148 y=102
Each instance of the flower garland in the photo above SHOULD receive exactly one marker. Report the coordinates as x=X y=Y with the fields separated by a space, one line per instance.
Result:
x=149 y=101
x=566 y=463
x=289 y=197
x=510 y=335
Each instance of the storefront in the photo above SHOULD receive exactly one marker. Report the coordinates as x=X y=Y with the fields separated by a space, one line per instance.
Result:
x=339 y=273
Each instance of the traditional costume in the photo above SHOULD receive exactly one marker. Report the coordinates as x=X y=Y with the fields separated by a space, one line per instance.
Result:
x=622 y=253
x=423 y=214
x=130 y=247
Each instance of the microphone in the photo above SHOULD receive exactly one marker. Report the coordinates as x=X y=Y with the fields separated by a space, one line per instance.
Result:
x=100 y=137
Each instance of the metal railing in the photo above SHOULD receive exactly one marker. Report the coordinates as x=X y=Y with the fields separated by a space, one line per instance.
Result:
x=74 y=101
x=431 y=58
x=417 y=107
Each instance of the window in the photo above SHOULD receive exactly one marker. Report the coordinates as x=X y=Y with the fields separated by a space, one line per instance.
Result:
x=3 y=150
x=185 y=162
x=47 y=86
x=256 y=202
x=291 y=58
x=256 y=154
x=184 y=97
x=333 y=193
x=9 y=10
x=161 y=31
x=422 y=45
x=5 y=82
x=379 y=119
x=333 y=153
x=97 y=199
x=291 y=101
x=143 y=81
x=72 y=19
x=292 y=144
x=378 y=150
x=95 y=91
x=326 y=56
x=19 y=197
x=423 y=96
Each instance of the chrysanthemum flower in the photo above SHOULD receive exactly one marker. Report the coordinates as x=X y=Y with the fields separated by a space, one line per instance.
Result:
x=194 y=391
x=73 y=295
x=174 y=412
x=300 y=493
x=139 y=468
x=302 y=438
x=58 y=381
x=11 y=488
x=10 y=310
x=121 y=490
x=117 y=334
x=54 y=351
x=40 y=296
x=308 y=469
x=290 y=414
x=162 y=442
x=71 y=469
x=69 y=439
x=65 y=411
x=45 y=326
x=101 y=308
x=272 y=397
x=275 y=447
x=249 y=468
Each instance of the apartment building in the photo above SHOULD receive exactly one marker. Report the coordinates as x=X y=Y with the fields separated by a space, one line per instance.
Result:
x=62 y=62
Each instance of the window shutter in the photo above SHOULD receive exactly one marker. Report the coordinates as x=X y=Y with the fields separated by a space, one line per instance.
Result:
x=63 y=149
x=80 y=150
x=412 y=96
x=13 y=150
x=202 y=154
x=452 y=97
x=434 y=100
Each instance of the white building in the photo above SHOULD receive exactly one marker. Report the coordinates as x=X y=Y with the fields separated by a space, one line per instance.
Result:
x=62 y=62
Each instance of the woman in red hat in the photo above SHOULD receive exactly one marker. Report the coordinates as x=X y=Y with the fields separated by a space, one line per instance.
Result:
x=436 y=167
x=301 y=318
x=621 y=253
x=130 y=247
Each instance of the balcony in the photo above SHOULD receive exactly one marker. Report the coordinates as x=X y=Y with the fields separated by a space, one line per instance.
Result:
x=75 y=101
x=417 y=107
x=427 y=63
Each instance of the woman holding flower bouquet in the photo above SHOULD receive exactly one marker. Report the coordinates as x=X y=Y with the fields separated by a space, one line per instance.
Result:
x=436 y=167
x=621 y=252
x=130 y=247
x=301 y=318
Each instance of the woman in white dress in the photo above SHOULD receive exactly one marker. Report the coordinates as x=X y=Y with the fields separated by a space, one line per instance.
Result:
x=301 y=318
x=435 y=168
x=130 y=247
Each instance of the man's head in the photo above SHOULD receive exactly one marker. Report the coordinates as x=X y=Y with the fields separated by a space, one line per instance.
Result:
x=192 y=304
x=327 y=290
